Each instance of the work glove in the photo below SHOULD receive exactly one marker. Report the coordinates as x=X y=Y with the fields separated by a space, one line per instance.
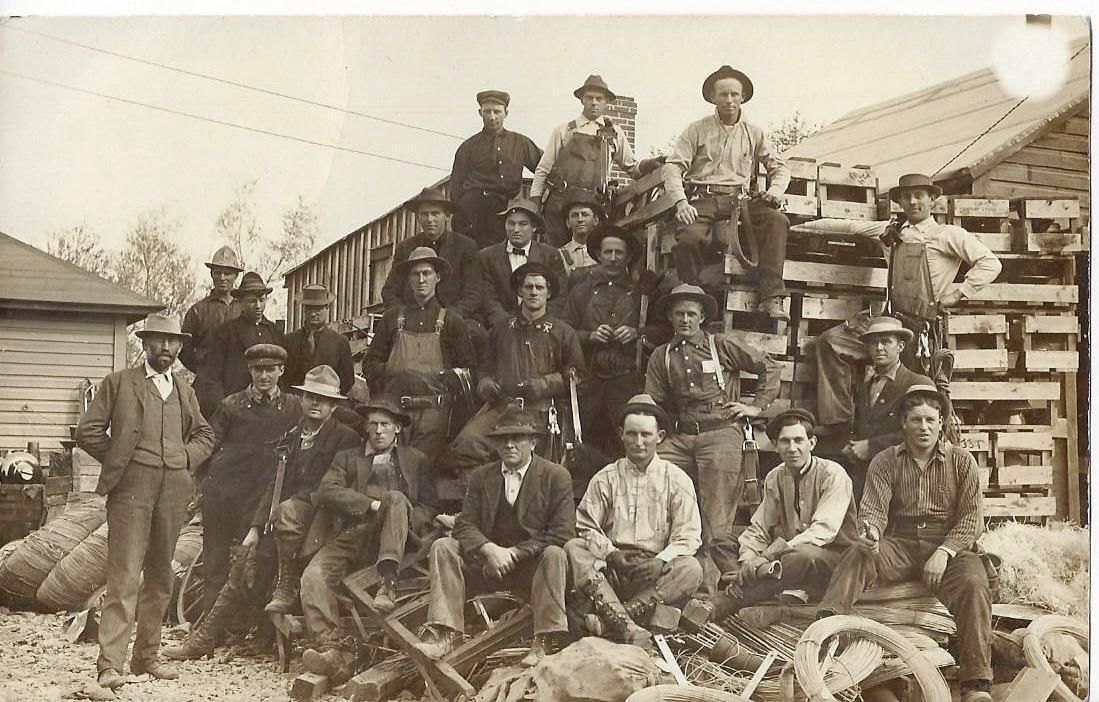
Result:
x=650 y=570
x=488 y=389
x=648 y=165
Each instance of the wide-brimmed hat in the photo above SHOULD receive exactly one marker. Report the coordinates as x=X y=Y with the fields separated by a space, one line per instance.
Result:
x=686 y=291
x=595 y=241
x=431 y=196
x=928 y=391
x=727 y=72
x=578 y=196
x=493 y=96
x=161 y=324
x=774 y=425
x=265 y=355
x=595 y=82
x=644 y=404
x=388 y=405
x=423 y=254
x=887 y=325
x=323 y=381
x=526 y=205
x=316 y=296
x=539 y=268
x=250 y=284
x=226 y=257
x=913 y=181
x=516 y=421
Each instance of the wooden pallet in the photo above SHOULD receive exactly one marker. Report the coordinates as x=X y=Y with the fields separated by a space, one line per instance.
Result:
x=801 y=197
x=1051 y=226
x=847 y=192
x=1047 y=342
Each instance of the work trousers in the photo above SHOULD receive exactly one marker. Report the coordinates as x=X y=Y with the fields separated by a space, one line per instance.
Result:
x=680 y=582
x=839 y=353
x=713 y=460
x=541 y=578
x=553 y=212
x=292 y=519
x=479 y=216
x=225 y=520
x=428 y=430
x=145 y=512
x=712 y=227
x=384 y=533
x=964 y=590
x=805 y=567
x=603 y=399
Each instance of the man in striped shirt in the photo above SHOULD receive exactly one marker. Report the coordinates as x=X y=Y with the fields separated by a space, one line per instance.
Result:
x=921 y=516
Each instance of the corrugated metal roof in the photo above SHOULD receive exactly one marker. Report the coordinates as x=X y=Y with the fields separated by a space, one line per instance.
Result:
x=32 y=278
x=942 y=129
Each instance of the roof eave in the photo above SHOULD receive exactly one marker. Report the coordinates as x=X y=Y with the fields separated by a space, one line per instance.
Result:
x=1013 y=146
x=132 y=313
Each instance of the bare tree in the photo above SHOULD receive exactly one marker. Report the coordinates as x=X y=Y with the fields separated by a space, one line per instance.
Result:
x=238 y=227
x=151 y=264
x=81 y=246
x=299 y=233
x=791 y=131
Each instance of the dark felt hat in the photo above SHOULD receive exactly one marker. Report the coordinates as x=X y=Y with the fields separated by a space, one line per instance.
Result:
x=265 y=355
x=516 y=421
x=517 y=276
x=423 y=254
x=595 y=82
x=913 y=181
x=688 y=292
x=316 y=296
x=431 y=196
x=577 y=196
x=498 y=96
x=726 y=72
x=595 y=241
x=383 y=403
x=251 y=283
x=774 y=425
x=644 y=404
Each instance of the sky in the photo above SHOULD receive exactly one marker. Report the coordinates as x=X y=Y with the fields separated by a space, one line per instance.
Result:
x=68 y=157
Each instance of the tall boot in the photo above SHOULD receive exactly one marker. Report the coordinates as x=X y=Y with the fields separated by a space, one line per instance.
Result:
x=611 y=613
x=209 y=632
x=640 y=607
x=284 y=599
x=688 y=262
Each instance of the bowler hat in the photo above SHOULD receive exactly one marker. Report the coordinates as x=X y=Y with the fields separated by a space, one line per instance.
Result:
x=774 y=426
x=423 y=254
x=382 y=403
x=726 y=72
x=686 y=291
x=595 y=241
x=537 y=268
x=161 y=324
x=265 y=355
x=595 y=82
x=515 y=421
x=578 y=196
x=926 y=390
x=887 y=325
x=316 y=296
x=913 y=181
x=431 y=196
x=644 y=404
x=226 y=257
x=250 y=284
x=526 y=205
x=322 y=381
x=498 y=96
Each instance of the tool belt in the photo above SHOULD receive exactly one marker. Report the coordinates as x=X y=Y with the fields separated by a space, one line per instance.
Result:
x=701 y=426
x=422 y=401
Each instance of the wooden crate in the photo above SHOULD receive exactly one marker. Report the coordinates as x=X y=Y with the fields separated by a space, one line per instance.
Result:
x=847 y=192
x=85 y=471
x=1047 y=343
x=22 y=510
x=1023 y=459
x=1051 y=226
x=801 y=197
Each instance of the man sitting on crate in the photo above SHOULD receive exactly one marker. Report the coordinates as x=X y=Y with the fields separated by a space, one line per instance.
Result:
x=713 y=164
x=925 y=259
x=639 y=528
x=800 y=530
x=517 y=515
x=920 y=516
x=696 y=379
x=368 y=505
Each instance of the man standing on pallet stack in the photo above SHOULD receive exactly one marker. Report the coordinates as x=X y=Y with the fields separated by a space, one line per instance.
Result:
x=920 y=516
x=925 y=259
x=488 y=171
x=315 y=344
x=712 y=165
x=696 y=379
x=209 y=312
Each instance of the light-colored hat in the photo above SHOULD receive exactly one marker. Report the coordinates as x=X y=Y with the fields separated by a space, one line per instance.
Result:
x=929 y=390
x=424 y=254
x=162 y=324
x=322 y=381
x=686 y=291
x=526 y=205
x=226 y=257
x=887 y=325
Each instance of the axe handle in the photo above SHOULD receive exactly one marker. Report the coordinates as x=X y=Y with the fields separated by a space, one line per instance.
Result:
x=574 y=402
x=276 y=496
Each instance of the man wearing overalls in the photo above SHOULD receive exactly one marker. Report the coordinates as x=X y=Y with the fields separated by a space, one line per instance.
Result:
x=925 y=259
x=714 y=161
x=414 y=344
x=578 y=156
x=696 y=379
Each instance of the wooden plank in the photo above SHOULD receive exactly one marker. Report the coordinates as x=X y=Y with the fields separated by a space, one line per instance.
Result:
x=1031 y=685
x=962 y=390
x=835 y=174
x=1024 y=441
x=771 y=343
x=800 y=205
x=32 y=394
x=309 y=686
x=1065 y=142
x=1035 y=156
x=41 y=360
x=637 y=188
x=1019 y=506
x=74 y=346
x=1025 y=292
x=979 y=207
x=838 y=309
x=995 y=241
x=650 y=211
x=802 y=167
x=976 y=441
x=984 y=359
x=1047 y=324
x=848 y=210
x=1051 y=360
x=977 y=324
x=831 y=273
x=382 y=681
x=1011 y=476
x=1050 y=209
x=1039 y=176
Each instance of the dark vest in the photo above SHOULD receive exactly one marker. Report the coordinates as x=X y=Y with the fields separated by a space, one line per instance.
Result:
x=161 y=440
x=506 y=529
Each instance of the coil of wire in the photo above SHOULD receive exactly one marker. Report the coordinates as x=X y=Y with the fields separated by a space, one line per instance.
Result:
x=687 y=693
x=1036 y=657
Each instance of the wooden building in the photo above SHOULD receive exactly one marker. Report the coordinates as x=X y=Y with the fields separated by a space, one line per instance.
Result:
x=62 y=329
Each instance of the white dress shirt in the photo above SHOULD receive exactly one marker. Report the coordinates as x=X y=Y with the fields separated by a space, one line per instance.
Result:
x=515 y=259
x=162 y=381
x=513 y=480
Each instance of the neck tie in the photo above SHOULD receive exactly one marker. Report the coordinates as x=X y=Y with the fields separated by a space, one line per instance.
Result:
x=876 y=386
x=310 y=345
x=516 y=251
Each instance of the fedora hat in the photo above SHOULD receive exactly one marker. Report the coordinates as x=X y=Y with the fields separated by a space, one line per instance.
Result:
x=316 y=296
x=595 y=241
x=595 y=82
x=774 y=425
x=538 y=268
x=887 y=325
x=265 y=355
x=161 y=324
x=913 y=181
x=927 y=390
x=423 y=254
x=644 y=404
x=526 y=205
x=226 y=257
x=250 y=284
x=686 y=291
x=431 y=196
x=322 y=381
x=383 y=403
x=515 y=421
x=578 y=196
x=727 y=72
x=497 y=96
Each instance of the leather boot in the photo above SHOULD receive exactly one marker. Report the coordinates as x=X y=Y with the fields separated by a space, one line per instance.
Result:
x=543 y=645
x=385 y=600
x=284 y=599
x=206 y=635
x=640 y=607
x=612 y=613
x=437 y=641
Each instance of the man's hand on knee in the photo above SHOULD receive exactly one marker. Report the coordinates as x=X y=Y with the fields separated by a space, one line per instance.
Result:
x=934 y=568
x=651 y=569
x=685 y=212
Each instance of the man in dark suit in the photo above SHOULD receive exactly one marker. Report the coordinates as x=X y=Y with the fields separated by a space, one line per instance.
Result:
x=315 y=344
x=226 y=370
x=157 y=436
x=517 y=515
x=499 y=261
x=368 y=504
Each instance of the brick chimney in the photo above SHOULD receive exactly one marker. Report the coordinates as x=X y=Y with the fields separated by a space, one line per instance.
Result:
x=624 y=113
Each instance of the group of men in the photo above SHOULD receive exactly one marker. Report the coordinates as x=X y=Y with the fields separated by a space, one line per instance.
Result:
x=538 y=329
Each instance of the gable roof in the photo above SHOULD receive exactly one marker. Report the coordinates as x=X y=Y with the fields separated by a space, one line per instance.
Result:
x=962 y=126
x=33 y=279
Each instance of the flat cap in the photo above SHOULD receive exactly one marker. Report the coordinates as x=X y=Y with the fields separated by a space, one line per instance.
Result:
x=265 y=355
x=498 y=96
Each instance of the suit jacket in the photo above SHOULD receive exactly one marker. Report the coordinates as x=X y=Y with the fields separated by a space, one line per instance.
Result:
x=331 y=348
x=457 y=291
x=545 y=507
x=119 y=406
x=342 y=492
x=304 y=469
x=226 y=371
x=497 y=300
x=881 y=424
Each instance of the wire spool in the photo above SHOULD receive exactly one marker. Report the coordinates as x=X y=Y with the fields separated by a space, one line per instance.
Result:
x=76 y=576
x=8 y=549
x=689 y=693
x=1036 y=657
x=807 y=665
x=188 y=546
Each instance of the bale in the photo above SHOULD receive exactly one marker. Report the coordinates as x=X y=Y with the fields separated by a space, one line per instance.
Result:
x=77 y=576
x=1047 y=567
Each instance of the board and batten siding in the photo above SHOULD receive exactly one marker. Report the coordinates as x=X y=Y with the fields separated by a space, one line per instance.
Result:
x=44 y=359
